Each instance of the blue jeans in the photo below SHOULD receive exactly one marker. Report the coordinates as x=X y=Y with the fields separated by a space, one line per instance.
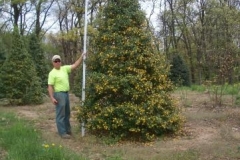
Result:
x=62 y=112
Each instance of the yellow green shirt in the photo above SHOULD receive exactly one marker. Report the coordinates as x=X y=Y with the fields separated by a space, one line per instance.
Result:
x=59 y=78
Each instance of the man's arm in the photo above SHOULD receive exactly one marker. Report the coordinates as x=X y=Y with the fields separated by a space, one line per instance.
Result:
x=77 y=63
x=50 y=92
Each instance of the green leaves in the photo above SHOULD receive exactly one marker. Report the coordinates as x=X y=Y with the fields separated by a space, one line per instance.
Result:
x=18 y=77
x=37 y=54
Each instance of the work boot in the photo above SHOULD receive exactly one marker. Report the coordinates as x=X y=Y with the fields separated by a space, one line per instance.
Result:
x=66 y=136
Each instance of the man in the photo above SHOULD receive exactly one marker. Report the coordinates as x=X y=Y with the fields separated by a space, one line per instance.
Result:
x=58 y=87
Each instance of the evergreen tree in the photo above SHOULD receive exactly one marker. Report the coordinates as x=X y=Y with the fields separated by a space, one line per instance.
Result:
x=2 y=53
x=77 y=89
x=19 y=81
x=2 y=59
x=128 y=92
x=179 y=72
x=37 y=53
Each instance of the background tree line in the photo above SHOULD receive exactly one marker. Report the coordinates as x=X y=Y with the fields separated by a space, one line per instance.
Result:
x=205 y=34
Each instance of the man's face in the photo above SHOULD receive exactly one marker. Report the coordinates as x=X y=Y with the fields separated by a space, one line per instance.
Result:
x=57 y=63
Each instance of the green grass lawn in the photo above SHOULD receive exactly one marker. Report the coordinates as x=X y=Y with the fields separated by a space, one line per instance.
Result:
x=20 y=141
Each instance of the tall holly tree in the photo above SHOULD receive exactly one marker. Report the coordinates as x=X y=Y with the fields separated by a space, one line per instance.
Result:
x=128 y=91
x=18 y=77
x=39 y=59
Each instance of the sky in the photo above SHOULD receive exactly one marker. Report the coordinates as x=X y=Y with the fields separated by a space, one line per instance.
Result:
x=146 y=5
x=148 y=8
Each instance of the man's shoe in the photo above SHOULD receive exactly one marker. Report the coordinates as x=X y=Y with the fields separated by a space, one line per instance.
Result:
x=66 y=136
x=69 y=133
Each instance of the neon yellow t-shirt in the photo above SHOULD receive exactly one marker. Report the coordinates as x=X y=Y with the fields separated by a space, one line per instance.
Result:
x=59 y=78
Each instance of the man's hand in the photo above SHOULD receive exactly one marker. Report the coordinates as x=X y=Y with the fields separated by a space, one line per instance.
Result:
x=77 y=63
x=54 y=101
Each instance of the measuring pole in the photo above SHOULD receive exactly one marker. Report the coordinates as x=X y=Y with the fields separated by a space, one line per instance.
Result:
x=84 y=63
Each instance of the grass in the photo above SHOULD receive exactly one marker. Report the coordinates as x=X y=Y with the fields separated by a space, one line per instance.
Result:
x=216 y=93
x=182 y=155
x=226 y=88
x=20 y=141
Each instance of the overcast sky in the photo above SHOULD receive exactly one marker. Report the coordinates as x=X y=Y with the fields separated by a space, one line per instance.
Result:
x=148 y=8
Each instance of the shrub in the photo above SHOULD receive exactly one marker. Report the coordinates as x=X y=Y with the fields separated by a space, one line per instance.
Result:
x=37 y=54
x=179 y=73
x=19 y=81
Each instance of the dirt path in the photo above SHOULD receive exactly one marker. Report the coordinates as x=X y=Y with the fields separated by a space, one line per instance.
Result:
x=208 y=133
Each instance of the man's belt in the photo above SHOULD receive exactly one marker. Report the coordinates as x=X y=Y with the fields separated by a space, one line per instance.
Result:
x=63 y=91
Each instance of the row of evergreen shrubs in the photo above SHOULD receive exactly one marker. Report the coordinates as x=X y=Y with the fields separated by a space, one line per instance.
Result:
x=23 y=73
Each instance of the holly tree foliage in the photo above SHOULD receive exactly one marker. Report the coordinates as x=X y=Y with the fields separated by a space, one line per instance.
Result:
x=128 y=90
x=18 y=77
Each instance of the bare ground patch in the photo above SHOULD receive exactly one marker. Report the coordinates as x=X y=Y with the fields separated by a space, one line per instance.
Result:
x=209 y=133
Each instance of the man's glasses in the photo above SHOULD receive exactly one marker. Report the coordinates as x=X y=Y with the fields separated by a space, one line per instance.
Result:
x=57 y=61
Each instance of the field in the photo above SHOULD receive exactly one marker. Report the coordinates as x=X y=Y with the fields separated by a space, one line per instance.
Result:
x=210 y=132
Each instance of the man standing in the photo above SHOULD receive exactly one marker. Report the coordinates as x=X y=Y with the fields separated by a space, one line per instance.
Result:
x=58 y=87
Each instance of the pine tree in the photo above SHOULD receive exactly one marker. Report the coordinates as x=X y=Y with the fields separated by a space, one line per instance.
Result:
x=179 y=73
x=2 y=59
x=37 y=53
x=128 y=90
x=18 y=77
x=2 y=53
